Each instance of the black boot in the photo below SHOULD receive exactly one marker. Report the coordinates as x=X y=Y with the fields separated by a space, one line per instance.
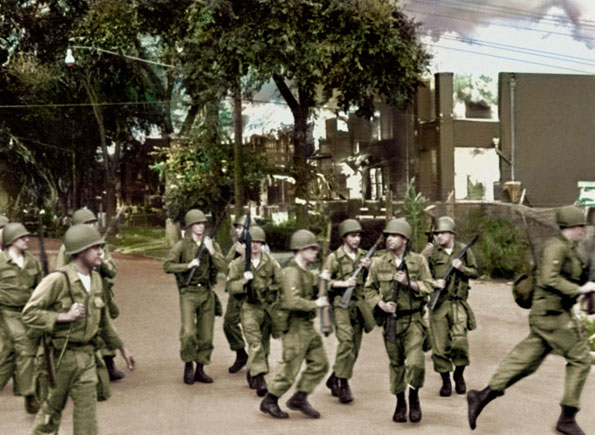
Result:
x=114 y=373
x=476 y=401
x=201 y=376
x=250 y=380
x=414 y=405
x=31 y=404
x=241 y=360
x=567 y=423
x=446 y=389
x=331 y=384
x=269 y=405
x=400 y=415
x=299 y=402
x=460 y=386
x=189 y=373
x=345 y=395
x=260 y=384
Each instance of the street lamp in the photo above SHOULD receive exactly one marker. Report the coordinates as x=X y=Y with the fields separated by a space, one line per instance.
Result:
x=69 y=58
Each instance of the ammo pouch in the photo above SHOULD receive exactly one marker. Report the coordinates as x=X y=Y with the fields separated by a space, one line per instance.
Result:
x=523 y=289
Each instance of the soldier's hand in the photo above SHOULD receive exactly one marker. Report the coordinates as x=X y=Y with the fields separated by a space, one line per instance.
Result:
x=322 y=302
x=388 y=307
x=209 y=245
x=77 y=311
x=241 y=249
x=440 y=283
x=325 y=274
x=401 y=277
x=194 y=263
x=458 y=264
x=366 y=262
x=428 y=250
x=248 y=276
x=587 y=287
x=351 y=282
x=128 y=357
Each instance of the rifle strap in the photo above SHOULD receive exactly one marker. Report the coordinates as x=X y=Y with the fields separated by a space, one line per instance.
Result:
x=69 y=326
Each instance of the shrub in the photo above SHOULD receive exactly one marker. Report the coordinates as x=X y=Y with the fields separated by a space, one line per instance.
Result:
x=278 y=235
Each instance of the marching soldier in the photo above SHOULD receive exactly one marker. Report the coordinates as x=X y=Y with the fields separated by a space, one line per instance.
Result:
x=257 y=310
x=553 y=325
x=300 y=340
x=349 y=323
x=198 y=301
x=452 y=316
x=6 y=354
x=406 y=355
x=70 y=305
x=107 y=271
x=20 y=272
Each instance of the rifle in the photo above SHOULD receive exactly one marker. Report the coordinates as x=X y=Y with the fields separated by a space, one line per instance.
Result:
x=347 y=295
x=247 y=240
x=391 y=322
x=446 y=276
x=48 y=355
x=202 y=248
x=326 y=316
x=113 y=222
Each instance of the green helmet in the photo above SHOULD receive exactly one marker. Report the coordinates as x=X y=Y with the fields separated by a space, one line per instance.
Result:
x=82 y=216
x=302 y=239
x=349 y=226
x=80 y=237
x=194 y=216
x=242 y=220
x=3 y=221
x=445 y=224
x=398 y=226
x=257 y=234
x=569 y=216
x=13 y=231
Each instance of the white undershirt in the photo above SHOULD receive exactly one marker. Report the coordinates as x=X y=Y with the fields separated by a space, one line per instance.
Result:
x=255 y=262
x=19 y=260
x=350 y=254
x=86 y=280
x=448 y=250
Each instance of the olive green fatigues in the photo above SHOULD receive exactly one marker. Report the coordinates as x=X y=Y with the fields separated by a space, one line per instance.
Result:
x=197 y=300
x=349 y=324
x=553 y=326
x=76 y=375
x=257 y=315
x=452 y=317
x=406 y=357
x=17 y=352
x=232 y=317
x=300 y=340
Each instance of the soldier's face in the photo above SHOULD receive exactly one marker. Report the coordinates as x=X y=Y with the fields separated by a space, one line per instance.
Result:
x=576 y=234
x=91 y=257
x=239 y=229
x=309 y=254
x=21 y=244
x=394 y=242
x=353 y=240
x=256 y=248
x=445 y=238
x=198 y=228
x=92 y=223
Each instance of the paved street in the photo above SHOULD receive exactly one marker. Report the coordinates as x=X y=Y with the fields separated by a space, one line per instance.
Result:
x=153 y=399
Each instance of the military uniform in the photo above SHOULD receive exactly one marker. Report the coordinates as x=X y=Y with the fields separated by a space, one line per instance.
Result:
x=76 y=375
x=232 y=318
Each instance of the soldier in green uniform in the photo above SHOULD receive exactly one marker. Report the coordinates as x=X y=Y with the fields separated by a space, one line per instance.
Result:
x=232 y=318
x=554 y=328
x=197 y=299
x=20 y=272
x=452 y=316
x=70 y=306
x=259 y=307
x=300 y=340
x=349 y=323
x=6 y=353
x=107 y=271
x=406 y=356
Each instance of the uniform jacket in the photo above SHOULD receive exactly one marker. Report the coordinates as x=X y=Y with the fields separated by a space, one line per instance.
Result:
x=299 y=290
x=341 y=266
x=458 y=285
x=16 y=284
x=266 y=282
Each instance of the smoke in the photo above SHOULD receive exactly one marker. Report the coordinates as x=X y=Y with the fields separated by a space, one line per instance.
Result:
x=575 y=18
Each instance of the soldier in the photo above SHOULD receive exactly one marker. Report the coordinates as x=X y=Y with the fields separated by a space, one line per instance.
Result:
x=20 y=272
x=349 y=323
x=6 y=354
x=452 y=316
x=107 y=271
x=406 y=356
x=553 y=325
x=232 y=318
x=197 y=300
x=257 y=314
x=300 y=340
x=70 y=305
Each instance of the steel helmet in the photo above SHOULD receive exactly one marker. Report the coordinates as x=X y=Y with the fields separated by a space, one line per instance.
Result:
x=3 y=221
x=302 y=239
x=13 y=231
x=80 y=237
x=398 y=226
x=242 y=220
x=445 y=224
x=194 y=216
x=349 y=226
x=257 y=234
x=569 y=216
x=82 y=216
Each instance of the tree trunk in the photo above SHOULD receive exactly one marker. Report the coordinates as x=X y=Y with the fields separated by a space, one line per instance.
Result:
x=300 y=168
x=237 y=153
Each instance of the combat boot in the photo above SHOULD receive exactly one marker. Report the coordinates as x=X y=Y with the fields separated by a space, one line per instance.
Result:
x=31 y=404
x=260 y=384
x=270 y=405
x=446 y=389
x=241 y=360
x=460 y=386
x=299 y=402
x=414 y=405
x=345 y=395
x=476 y=401
x=114 y=373
x=250 y=380
x=201 y=376
x=400 y=415
x=189 y=373
x=331 y=384
x=567 y=423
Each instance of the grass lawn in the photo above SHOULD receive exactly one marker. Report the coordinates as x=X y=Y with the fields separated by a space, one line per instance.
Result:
x=145 y=241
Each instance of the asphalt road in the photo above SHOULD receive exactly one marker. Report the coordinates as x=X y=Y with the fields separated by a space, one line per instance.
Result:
x=153 y=399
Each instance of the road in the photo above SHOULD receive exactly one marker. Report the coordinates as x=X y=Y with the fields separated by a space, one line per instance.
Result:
x=153 y=399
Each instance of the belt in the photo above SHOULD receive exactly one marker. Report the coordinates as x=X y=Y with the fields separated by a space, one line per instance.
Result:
x=11 y=308
x=401 y=313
